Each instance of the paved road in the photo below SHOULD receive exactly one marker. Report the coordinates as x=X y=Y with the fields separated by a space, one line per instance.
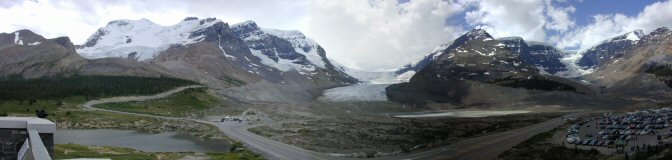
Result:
x=488 y=147
x=268 y=147
x=485 y=147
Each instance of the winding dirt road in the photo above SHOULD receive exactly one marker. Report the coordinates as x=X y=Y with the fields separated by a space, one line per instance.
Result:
x=485 y=147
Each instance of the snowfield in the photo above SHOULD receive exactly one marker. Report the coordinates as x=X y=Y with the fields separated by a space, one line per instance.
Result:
x=146 y=38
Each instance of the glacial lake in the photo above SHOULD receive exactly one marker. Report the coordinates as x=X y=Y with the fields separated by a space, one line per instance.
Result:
x=148 y=142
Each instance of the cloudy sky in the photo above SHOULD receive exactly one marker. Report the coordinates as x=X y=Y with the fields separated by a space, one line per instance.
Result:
x=366 y=34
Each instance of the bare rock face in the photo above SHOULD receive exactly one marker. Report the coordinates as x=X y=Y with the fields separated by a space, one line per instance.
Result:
x=20 y=37
x=544 y=57
x=39 y=58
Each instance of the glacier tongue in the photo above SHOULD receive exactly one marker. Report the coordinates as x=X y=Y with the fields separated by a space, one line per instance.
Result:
x=372 y=87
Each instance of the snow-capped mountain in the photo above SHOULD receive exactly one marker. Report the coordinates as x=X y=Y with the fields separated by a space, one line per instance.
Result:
x=477 y=69
x=640 y=70
x=410 y=69
x=211 y=52
x=546 y=58
x=478 y=56
x=141 y=39
x=609 y=49
x=29 y=55
x=285 y=50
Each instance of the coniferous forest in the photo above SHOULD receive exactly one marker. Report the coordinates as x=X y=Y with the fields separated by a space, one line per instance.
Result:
x=87 y=86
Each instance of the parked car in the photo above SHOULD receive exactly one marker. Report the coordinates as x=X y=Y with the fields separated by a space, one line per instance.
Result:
x=585 y=142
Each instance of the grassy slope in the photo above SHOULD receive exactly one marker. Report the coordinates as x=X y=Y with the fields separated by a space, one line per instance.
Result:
x=177 y=105
x=71 y=151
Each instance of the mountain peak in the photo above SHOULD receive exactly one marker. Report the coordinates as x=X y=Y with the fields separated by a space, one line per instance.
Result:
x=20 y=37
x=634 y=35
x=122 y=37
x=477 y=33
x=190 y=19
x=661 y=30
x=124 y=22
x=246 y=25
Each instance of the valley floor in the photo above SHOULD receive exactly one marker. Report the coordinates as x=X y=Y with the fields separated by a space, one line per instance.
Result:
x=321 y=130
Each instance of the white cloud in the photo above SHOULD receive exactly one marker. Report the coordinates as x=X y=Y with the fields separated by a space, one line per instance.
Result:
x=381 y=34
x=559 y=18
x=605 y=26
x=369 y=34
x=78 y=19
x=523 y=18
x=372 y=34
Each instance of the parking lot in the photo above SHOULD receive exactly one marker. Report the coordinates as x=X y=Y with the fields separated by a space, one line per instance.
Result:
x=631 y=131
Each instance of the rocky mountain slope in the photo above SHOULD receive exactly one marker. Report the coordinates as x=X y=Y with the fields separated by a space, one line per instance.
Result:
x=477 y=69
x=544 y=57
x=609 y=49
x=639 y=70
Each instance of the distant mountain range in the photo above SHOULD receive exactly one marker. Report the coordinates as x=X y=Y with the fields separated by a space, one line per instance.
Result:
x=250 y=63
x=242 y=60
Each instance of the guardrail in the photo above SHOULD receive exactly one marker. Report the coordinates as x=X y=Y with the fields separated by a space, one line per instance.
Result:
x=33 y=148
x=29 y=133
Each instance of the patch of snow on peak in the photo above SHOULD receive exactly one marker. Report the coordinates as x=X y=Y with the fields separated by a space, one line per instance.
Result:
x=121 y=37
x=17 y=38
x=219 y=44
x=633 y=36
x=441 y=47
